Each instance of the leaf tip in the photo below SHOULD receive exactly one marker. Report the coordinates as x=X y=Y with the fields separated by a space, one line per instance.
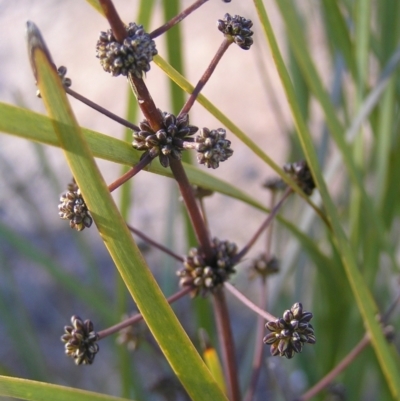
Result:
x=35 y=42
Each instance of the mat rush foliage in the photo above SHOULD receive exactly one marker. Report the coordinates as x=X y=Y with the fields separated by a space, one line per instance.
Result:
x=334 y=334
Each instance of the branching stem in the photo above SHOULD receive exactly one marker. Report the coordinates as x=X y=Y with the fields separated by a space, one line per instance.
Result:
x=226 y=344
x=130 y=173
x=155 y=244
x=138 y=317
x=267 y=316
x=192 y=208
x=263 y=226
x=182 y=15
x=206 y=76
x=102 y=110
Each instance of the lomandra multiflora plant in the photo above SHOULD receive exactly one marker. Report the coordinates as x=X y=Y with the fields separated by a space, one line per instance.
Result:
x=162 y=138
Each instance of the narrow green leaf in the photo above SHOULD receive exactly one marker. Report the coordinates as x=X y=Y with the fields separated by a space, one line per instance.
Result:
x=36 y=127
x=37 y=391
x=164 y=325
x=186 y=86
x=361 y=293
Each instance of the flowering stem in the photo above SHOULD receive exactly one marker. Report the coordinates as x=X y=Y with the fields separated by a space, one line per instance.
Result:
x=264 y=225
x=182 y=15
x=226 y=344
x=326 y=380
x=114 y=20
x=206 y=76
x=349 y=358
x=192 y=208
x=146 y=103
x=267 y=316
x=102 y=110
x=155 y=244
x=138 y=317
x=259 y=347
x=130 y=173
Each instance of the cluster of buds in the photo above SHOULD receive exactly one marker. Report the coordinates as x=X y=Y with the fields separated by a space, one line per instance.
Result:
x=212 y=147
x=289 y=333
x=264 y=266
x=133 y=56
x=167 y=141
x=238 y=29
x=80 y=341
x=72 y=207
x=205 y=276
x=301 y=174
x=66 y=82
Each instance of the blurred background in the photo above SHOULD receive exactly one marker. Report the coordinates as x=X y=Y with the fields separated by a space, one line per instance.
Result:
x=50 y=272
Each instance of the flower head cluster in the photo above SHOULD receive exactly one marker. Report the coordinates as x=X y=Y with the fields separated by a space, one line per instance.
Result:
x=72 y=207
x=204 y=276
x=288 y=334
x=80 y=341
x=274 y=184
x=238 y=28
x=212 y=147
x=264 y=266
x=301 y=174
x=132 y=56
x=167 y=141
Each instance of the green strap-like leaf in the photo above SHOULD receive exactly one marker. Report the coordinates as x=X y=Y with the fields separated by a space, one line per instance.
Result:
x=363 y=297
x=37 y=391
x=36 y=127
x=162 y=322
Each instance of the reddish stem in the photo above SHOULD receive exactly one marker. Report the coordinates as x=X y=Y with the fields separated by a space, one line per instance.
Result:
x=116 y=24
x=227 y=346
x=178 y=18
x=264 y=225
x=206 y=76
x=138 y=317
x=130 y=173
x=193 y=210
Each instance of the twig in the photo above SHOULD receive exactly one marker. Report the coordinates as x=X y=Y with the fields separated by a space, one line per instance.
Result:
x=206 y=76
x=130 y=173
x=155 y=244
x=101 y=110
x=192 y=208
x=248 y=303
x=138 y=317
x=264 y=225
x=183 y=14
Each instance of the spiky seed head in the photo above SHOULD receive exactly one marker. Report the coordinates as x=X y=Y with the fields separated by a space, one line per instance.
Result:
x=289 y=333
x=238 y=29
x=133 y=56
x=80 y=341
